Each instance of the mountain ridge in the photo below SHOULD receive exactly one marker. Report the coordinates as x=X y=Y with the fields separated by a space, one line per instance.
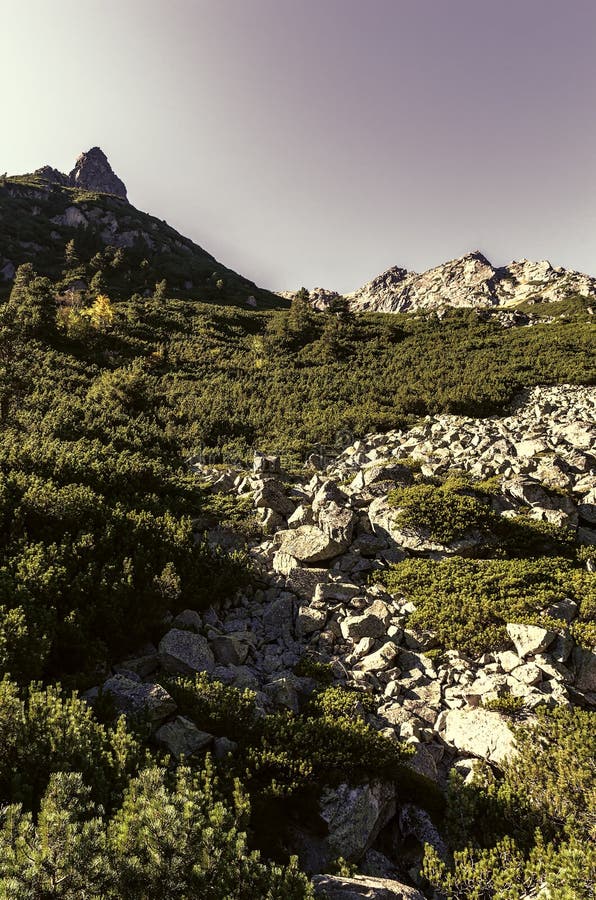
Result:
x=47 y=216
x=468 y=281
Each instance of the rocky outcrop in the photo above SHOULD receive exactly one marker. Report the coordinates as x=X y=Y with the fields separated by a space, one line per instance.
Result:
x=93 y=172
x=355 y=816
x=53 y=175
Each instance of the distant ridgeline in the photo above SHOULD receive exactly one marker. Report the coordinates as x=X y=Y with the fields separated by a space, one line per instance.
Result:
x=80 y=230
x=470 y=281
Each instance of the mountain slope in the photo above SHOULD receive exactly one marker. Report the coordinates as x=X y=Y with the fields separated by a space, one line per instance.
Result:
x=73 y=234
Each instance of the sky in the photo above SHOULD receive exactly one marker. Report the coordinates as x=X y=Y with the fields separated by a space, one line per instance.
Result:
x=319 y=142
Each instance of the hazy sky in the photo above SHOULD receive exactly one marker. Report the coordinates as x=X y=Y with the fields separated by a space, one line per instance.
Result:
x=319 y=142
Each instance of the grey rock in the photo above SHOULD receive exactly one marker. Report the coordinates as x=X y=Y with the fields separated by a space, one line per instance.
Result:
x=94 y=173
x=188 y=619
x=365 y=626
x=530 y=639
x=181 y=737
x=264 y=464
x=481 y=732
x=309 y=544
x=134 y=698
x=584 y=662
x=185 y=652
x=363 y=887
x=269 y=494
x=278 y=618
x=356 y=815
x=309 y=620
x=380 y=660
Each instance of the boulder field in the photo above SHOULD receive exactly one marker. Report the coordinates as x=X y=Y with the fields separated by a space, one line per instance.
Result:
x=323 y=538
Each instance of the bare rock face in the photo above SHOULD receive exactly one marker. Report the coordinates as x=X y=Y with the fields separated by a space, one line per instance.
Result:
x=94 y=173
x=470 y=281
x=53 y=175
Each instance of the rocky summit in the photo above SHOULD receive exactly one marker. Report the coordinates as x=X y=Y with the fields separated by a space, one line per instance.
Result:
x=469 y=281
x=92 y=172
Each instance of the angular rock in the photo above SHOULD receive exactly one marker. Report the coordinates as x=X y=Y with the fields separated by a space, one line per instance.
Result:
x=584 y=662
x=530 y=639
x=269 y=494
x=181 y=737
x=263 y=464
x=309 y=545
x=231 y=649
x=380 y=660
x=94 y=173
x=278 y=618
x=185 y=652
x=134 y=698
x=309 y=620
x=338 y=523
x=363 y=887
x=480 y=732
x=365 y=626
x=304 y=582
x=302 y=515
x=355 y=816
x=378 y=472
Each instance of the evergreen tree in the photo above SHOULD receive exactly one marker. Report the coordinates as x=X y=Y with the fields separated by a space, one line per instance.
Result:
x=32 y=304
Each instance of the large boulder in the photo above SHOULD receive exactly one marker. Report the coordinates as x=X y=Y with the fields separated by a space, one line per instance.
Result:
x=136 y=699
x=181 y=737
x=530 y=639
x=337 y=522
x=269 y=494
x=480 y=732
x=356 y=815
x=381 y=659
x=584 y=661
x=378 y=472
x=367 y=625
x=309 y=544
x=363 y=887
x=185 y=652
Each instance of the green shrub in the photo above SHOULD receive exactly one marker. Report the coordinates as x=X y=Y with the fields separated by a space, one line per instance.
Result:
x=466 y=603
x=508 y=704
x=214 y=707
x=444 y=511
x=51 y=731
x=172 y=837
x=309 y=667
x=532 y=825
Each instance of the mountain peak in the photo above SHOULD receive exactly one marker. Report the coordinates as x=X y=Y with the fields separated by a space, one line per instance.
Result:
x=93 y=172
x=469 y=281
